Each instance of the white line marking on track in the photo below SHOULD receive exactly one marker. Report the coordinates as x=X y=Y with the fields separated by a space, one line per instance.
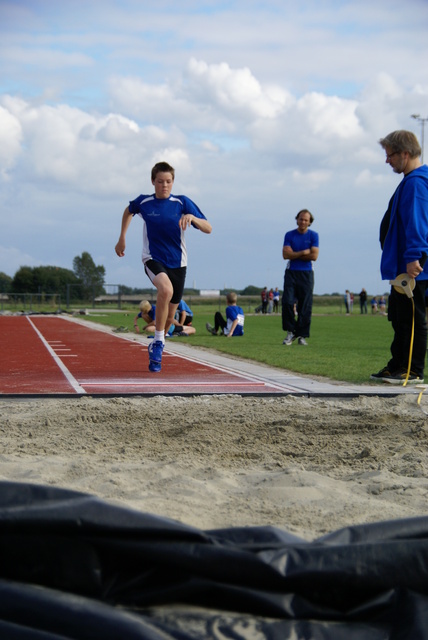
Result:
x=225 y=369
x=172 y=383
x=71 y=379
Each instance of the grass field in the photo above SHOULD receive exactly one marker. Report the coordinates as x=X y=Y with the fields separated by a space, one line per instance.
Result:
x=345 y=348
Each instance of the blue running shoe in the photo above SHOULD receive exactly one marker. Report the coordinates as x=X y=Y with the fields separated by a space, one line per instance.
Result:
x=155 y=355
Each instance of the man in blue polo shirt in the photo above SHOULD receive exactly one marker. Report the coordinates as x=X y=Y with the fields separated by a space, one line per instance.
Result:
x=301 y=247
x=166 y=217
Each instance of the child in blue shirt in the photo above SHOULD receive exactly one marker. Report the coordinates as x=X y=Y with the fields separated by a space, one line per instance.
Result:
x=148 y=314
x=184 y=313
x=233 y=326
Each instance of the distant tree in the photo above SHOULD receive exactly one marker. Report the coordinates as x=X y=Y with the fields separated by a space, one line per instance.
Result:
x=126 y=291
x=89 y=275
x=251 y=290
x=5 y=283
x=50 y=279
x=23 y=281
x=43 y=279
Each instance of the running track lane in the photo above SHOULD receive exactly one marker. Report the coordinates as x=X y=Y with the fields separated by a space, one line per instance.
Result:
x=44 y=355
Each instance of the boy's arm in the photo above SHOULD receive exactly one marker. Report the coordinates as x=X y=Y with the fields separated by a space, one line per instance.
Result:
x=188 y=219
x=121 y=244
x=232 y=328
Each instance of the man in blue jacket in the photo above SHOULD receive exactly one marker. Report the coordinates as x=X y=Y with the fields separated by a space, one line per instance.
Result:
x=404 y=243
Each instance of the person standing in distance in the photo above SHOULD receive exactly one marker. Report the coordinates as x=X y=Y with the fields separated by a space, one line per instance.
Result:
x=166 y=217
x=301 y=248
x=404 y=243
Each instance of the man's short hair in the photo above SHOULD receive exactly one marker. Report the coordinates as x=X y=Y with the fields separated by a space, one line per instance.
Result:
x=162 y=167
x=311 y=217
x=145 y=306
x=231 y=297
x=401 y=141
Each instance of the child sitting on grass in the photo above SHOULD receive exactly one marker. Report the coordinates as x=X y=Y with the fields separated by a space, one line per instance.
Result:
x=234 y=323
x=148 y=314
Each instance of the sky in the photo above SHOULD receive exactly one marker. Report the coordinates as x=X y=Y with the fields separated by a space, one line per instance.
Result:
x=264 y=108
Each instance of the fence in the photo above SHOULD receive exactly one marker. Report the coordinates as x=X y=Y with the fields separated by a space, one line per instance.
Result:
x=28 y=302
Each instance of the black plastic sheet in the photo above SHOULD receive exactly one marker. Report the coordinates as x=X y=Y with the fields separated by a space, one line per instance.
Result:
x=73 y=566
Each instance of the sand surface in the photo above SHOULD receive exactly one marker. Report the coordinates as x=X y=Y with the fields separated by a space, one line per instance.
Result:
x=308 y=466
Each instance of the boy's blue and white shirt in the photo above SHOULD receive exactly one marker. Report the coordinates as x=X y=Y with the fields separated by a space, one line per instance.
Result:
x=151 y=313
x=183 y=306
x=234 y=312
x=163 y=240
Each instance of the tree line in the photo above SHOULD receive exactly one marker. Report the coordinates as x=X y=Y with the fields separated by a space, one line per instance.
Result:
x=85 y=280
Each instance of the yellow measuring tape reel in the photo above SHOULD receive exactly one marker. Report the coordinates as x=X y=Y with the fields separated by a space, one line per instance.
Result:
x=405 y=284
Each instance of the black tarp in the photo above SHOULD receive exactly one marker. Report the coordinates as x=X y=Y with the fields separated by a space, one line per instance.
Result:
x=73 y=566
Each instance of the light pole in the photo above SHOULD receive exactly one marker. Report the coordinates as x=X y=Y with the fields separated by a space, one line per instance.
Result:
x=416 y=116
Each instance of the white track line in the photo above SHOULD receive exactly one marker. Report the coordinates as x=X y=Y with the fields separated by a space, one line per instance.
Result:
x=140 y=383
x=71 y=379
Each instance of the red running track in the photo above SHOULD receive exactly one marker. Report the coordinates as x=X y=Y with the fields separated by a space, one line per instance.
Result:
x=44 y=355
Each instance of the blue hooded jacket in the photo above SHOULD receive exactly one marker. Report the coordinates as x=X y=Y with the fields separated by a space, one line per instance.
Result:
x=407 y=236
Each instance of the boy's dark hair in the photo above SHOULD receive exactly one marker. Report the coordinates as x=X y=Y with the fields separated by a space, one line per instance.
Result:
x=311 y=217
x=162 y=167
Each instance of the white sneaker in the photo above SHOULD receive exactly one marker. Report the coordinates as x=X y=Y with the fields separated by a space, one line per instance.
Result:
x=289 y=339
x=302 y=342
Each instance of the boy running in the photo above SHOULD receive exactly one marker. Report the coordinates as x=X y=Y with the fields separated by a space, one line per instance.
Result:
x=166 y=217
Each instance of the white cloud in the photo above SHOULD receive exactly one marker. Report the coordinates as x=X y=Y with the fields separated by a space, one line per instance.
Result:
x=10 y=140
x=366 y=177
x=90 y=153
x=42 y=57
x=312 y=179
x=384 y=105
x=330 y=116
x=234 y=90
x=141 y=99
x=73 y=147
x=205 y=96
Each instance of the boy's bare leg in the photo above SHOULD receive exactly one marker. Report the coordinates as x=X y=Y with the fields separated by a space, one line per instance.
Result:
x=164 y=295
x=172 y=308
x=165 y=309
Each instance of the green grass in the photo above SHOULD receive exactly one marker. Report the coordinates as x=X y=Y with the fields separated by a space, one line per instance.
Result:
x=343 y=348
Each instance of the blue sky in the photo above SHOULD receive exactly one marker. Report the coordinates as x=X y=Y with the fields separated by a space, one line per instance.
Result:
x=264 y=108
